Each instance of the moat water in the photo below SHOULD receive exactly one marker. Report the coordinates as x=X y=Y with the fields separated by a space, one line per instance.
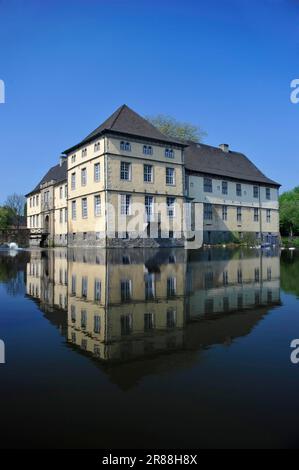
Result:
x=149 y=349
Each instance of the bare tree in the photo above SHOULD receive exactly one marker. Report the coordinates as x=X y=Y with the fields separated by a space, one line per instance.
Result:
x=16 y=204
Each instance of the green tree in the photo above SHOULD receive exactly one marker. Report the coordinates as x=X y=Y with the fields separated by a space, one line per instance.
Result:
x=170 y=127
x=289 y=212
x=6 y=217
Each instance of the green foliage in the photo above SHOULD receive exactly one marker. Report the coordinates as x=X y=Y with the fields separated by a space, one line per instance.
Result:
x=290 y=242
x=289 y=212
x=6 y=217
x=289 y=272
x=176 y=129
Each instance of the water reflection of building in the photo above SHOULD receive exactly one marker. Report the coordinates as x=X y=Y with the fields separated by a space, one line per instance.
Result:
x=119 y=305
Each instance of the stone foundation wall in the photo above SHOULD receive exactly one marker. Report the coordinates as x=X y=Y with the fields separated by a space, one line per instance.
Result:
x=217 y=237
x=89 y=239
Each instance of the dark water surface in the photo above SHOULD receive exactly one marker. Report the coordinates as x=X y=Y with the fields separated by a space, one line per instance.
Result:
x=149 y=349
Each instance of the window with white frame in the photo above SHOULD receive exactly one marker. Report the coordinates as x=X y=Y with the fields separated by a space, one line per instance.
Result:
x=238 y=189
x=73 y=181
x=125 y=289
x=256 y=214
x=255 y=192
x=268 y=215
x=224 y=212
x=207 y=212
x=125 y=204
x=171 y=318
x=268 y=193
x=148 y=173
x=84 y=286
x=239 y=214
x=126 y=146
x=170 y=179
x=97 y=290
x=97 y=324
x=83 y=177
x=149 y=203
x=148 y=150
x=97 y=172
x=171 y=286
x=74 y=210
x=148 y=321
x=97 y=205
x=224 y=187
x=169 y=153
x=125 y=171
x=84 y=207
x=170 y=202
x=207 y=185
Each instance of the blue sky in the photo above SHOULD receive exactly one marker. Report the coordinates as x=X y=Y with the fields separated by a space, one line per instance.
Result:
x=224 y=65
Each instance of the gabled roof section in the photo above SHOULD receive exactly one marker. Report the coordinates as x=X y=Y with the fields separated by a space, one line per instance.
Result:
x=203 y=158
x=125 y=121
x=57 y=173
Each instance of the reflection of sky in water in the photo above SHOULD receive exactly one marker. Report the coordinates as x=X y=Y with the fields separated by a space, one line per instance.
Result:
x=196 y=343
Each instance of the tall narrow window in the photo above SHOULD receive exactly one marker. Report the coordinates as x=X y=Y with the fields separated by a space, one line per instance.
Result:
x=74 y=210
x=207 y=185
x=238 y=189
x=148 y=321
x=73 y=181
x=97 y=324
x=171 y=286
x=73 y=286
x=170 y=202
x=255 y=191
x=268 y=215
x=149 y=202
x=125 y=290
x=84 y=152
x=97 y=172
x=224 y=187
x=239 y=214
x=207 y=212
x=148 y=173
x=268 y=193
x=125 y=171
x=97 y=146
x=125 y=204
x=84 y=286
x=256 y=214
x=171 y=318
x=97 y=290
x=61 y=192
x=83 y=177
x=97 y=205
x=224 y=212
x=61 y=216
x=170 y=180
x=126 y=324
x=84 y=208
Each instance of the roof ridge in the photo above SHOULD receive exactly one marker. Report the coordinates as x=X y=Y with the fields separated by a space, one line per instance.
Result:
x=117 y=116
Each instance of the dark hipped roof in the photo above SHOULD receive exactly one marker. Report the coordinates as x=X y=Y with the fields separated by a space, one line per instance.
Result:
x=125 y=121
x=57 y=173
x=203 y=158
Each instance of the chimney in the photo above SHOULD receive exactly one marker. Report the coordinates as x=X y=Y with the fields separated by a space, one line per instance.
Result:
x=62 y=159
x=224 y=147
